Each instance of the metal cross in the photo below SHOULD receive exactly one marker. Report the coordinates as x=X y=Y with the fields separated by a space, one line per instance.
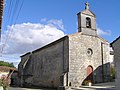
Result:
x=86 y=5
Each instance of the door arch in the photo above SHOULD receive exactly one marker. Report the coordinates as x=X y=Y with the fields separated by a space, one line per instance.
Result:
x=90 y=73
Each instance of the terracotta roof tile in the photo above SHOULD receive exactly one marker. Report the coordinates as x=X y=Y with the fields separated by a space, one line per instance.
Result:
x=6 y=69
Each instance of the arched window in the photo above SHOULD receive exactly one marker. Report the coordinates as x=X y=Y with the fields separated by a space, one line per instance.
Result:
x=88 y=22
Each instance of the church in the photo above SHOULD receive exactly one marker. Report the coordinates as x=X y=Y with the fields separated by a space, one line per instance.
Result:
x=72 y=60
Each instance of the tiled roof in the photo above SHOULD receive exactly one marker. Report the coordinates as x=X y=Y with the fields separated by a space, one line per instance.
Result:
x=6 y=69
x=115 y=40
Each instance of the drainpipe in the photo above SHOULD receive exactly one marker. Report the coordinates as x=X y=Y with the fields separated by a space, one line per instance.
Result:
x=102 y=61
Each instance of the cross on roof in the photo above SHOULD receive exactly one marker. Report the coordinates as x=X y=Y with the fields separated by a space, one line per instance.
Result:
x=86 y=5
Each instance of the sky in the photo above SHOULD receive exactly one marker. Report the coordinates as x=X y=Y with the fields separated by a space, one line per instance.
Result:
x=31 y=24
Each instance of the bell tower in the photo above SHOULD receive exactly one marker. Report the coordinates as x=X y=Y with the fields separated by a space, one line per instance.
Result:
x=87 y=21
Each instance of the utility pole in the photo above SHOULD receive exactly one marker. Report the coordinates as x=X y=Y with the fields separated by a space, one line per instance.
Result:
x=1 y=15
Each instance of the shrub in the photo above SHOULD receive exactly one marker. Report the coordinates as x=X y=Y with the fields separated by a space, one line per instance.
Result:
x=4 y=82
x=86 y=82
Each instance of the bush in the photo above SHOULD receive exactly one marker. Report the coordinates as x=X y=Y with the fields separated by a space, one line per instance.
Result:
x=86 y=82
x=4 y=82
x=113 y=72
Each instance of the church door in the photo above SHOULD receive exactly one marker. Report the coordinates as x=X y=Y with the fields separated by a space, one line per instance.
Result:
x=90 y=73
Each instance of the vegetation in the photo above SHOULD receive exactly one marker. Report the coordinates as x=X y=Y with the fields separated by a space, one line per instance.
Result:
x=4 y=82
x=2 y=63
x=113 y=72
x=87 y=83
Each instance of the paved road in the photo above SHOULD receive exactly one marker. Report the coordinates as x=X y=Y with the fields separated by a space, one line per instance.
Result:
x=17 y=88
x=13 y=88
x=93 y=89
x=102 y=86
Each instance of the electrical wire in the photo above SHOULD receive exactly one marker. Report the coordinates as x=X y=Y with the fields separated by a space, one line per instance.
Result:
x=12 y=11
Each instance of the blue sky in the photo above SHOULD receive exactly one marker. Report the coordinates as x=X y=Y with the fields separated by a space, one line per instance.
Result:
x=107 y=12
x=60 y=14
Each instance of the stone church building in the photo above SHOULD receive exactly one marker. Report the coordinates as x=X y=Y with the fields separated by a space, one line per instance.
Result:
x=69 y=61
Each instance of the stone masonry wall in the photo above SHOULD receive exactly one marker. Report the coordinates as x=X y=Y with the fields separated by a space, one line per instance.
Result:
x=79 y=59
x=116 y=48
x=50 y=63
x=22 y=66
x=89 y=31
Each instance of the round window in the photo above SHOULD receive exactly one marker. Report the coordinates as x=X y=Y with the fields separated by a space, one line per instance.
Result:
x=89 y=51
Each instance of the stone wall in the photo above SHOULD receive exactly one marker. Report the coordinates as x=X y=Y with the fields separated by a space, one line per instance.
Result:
x=116 y=48
x=22 y=67
x=82 y=22
x=47 y=65
x=79 y=58
x=50 y=63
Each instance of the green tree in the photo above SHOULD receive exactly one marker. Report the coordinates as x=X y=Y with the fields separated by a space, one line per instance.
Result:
x=3 y=63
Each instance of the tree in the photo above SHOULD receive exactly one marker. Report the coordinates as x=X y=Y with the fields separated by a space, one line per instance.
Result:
x=2 y=63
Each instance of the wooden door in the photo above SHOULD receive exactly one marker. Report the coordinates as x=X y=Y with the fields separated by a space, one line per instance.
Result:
x=90 y=73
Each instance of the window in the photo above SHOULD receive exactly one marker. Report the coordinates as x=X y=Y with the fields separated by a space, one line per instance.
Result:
x=88 y=22
x=89 y=51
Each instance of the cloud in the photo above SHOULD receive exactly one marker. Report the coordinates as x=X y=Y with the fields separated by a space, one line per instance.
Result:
x=43 y=20
x=27 y=37
x=101 y=32
x=53 y=23
x=57 y=23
